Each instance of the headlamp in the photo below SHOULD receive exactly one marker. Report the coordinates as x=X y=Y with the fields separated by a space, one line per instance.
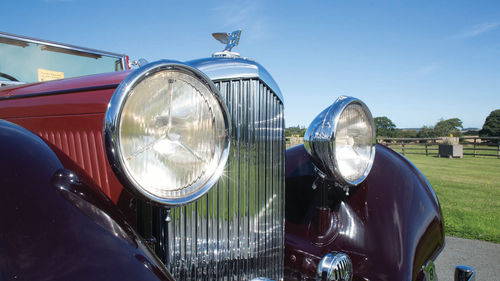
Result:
x=167 y=133
x=341 y=140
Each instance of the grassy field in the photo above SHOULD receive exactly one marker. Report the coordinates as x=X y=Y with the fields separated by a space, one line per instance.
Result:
x=469 y=193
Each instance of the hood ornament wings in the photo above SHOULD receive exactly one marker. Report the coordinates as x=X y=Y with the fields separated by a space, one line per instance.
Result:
x=231 y=40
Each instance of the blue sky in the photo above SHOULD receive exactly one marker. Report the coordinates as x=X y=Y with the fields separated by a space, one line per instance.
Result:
x=412 y=61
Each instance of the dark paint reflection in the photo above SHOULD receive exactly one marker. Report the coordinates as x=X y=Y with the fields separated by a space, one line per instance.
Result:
x=67 y=184
x=389 y=226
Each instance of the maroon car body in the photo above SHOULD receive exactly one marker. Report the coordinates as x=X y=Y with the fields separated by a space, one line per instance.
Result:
x=390 y=226
x=66 y=216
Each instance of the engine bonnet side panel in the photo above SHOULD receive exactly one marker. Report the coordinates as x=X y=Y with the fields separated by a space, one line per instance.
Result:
x=68 y=114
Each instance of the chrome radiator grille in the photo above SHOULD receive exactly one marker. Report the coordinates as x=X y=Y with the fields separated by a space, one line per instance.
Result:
x=236 y=231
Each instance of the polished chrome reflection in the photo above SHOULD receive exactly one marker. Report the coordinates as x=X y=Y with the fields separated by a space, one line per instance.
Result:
x=464 y=273
x=230 y=39
x=335 y=267
x=341 y=141
x=224 y=69
x=236 y=231
x=167 y=133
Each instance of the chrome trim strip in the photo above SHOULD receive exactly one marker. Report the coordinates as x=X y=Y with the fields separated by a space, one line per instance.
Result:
x=60 y=92
x=219 y=68
x=112 y=140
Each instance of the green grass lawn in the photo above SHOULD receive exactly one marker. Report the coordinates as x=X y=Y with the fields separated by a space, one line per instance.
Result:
x=469 y=193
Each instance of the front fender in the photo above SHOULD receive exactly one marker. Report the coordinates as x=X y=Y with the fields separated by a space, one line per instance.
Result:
x=390 y=225
x=56 y=226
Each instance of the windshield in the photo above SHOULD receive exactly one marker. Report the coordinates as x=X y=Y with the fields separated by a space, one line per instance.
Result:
x=33 y=61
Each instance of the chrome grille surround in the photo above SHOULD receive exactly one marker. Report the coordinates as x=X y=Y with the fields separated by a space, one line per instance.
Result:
x=236 y=231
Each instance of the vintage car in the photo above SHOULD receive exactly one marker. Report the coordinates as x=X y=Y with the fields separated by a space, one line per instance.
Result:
x=178 y=171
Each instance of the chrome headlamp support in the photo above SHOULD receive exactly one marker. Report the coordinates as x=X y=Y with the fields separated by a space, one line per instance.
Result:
x=341 y=141
x=167 y=133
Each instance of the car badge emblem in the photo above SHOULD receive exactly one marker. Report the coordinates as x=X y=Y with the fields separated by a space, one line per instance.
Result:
x=231 y=40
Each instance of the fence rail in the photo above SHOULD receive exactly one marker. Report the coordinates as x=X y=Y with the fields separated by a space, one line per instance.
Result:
x=473 y=146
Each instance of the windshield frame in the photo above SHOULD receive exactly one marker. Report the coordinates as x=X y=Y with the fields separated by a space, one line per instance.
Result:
x=67 y=48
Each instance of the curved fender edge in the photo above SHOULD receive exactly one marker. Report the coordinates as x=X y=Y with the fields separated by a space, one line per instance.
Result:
x=54 y=226
x=390 y=225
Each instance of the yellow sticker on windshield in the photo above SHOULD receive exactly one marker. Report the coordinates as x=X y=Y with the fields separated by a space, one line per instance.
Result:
x=47 y=75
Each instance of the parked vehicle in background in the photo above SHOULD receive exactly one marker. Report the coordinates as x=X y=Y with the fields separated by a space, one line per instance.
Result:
x=178 y=170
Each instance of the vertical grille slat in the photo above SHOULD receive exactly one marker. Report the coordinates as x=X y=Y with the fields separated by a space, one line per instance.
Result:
x=236 y=231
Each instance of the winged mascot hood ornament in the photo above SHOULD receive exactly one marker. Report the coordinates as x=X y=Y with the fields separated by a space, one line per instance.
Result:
x=231 y=40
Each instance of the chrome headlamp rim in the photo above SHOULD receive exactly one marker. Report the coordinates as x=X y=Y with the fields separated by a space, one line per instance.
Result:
x=112 y=124
x=323 y=126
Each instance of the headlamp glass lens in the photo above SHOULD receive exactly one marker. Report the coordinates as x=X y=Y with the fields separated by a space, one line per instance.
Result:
x=353 y=142
x=172 y=133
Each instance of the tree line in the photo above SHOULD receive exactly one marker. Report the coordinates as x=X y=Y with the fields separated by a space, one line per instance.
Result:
x=297 y=131
x=443 y=128
x=386 y=128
